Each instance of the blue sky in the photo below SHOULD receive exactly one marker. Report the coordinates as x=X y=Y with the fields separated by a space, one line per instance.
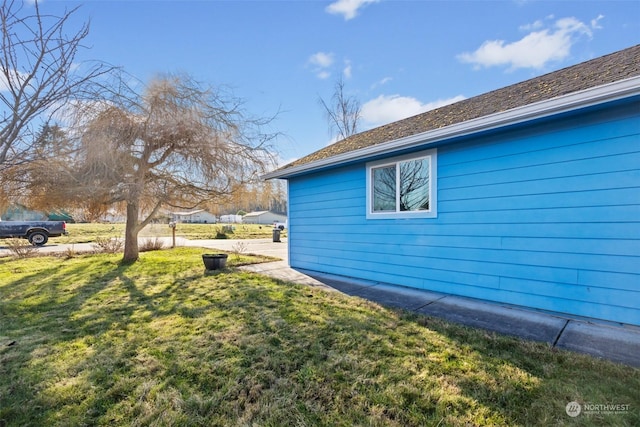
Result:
x=398 y=58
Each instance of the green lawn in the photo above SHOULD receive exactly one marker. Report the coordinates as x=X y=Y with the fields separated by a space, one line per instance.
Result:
x=90 y=232
x=88 y=341
x=83 y=233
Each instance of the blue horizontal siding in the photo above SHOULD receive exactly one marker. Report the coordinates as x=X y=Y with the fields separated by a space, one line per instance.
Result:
x=576 y=183
x=550 y=256
x=626 y=161
x=606 y=197
x=551 y=230
x=587 y=214
x=600 y=126
x=546 y=217
x=470 y=247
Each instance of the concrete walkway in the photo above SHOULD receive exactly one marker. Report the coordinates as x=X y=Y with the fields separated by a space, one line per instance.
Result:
x=616 y=342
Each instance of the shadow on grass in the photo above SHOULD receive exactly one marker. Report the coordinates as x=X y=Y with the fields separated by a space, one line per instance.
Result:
x=53 y=315
x=162 y=342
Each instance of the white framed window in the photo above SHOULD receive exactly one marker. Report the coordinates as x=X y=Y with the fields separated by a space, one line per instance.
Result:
x=403 y=186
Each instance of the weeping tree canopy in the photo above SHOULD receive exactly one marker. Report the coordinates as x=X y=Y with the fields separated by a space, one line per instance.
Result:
x=176 y=144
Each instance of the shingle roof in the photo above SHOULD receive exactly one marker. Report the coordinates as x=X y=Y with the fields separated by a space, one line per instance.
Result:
x=606 y=69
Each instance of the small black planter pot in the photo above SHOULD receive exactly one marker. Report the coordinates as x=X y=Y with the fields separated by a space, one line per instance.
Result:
x=214 y=261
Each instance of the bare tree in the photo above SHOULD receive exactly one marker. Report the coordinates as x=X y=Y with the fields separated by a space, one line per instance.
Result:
x=343 y=113
x=414 y=185
x=412 y=178
x=176 y=145
x=38 y=74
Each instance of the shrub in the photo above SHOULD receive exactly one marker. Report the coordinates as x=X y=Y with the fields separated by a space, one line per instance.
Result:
x=21 y=248
x=238 y=249
x=109 y=245
x=221 y=233
x=154 y=244
x=70 y=253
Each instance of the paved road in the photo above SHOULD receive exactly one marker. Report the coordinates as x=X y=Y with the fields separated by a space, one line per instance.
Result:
x=257 y=246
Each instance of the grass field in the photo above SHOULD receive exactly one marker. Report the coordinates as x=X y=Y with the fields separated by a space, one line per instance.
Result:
x=88 y=341
x=83 y=233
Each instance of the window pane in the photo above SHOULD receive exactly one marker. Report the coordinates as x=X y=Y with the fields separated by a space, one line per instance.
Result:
x=384 y=189
x=414 y=185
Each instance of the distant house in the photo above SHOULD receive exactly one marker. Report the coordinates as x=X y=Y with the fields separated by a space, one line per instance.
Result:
x=527 y=195
x=228 y=219
x=194 y=217
x=263 y=217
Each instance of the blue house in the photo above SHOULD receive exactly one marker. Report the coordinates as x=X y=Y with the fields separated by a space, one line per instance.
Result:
x=528 y=195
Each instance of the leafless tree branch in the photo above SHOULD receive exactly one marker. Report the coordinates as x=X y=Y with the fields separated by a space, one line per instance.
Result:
x=39 y=74
x=343 y=113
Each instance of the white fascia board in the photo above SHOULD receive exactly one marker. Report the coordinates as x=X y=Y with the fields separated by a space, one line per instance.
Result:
x=562 y=104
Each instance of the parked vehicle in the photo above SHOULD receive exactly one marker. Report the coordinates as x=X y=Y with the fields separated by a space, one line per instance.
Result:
x=37 y=232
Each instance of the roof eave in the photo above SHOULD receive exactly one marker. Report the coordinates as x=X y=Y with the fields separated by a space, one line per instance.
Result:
x=566 y=103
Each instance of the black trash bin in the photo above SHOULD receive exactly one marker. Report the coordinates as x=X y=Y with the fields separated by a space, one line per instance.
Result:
x=276 y=234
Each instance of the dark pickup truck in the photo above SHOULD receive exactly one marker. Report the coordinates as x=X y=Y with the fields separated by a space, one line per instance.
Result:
x=37 y=232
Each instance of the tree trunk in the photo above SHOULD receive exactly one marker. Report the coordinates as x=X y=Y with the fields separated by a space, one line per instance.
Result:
x=131 y=234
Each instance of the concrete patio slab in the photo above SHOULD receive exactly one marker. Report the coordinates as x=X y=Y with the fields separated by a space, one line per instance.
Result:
x=345 y=286
x=526 y=324
x=620 y=344
x=398 y=296
x=280 y=270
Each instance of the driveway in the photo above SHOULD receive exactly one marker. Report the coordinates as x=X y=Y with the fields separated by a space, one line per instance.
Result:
x=250 y=246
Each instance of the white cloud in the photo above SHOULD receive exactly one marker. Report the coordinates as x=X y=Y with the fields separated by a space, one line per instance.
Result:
x=381 y=82
x=320 y=63
x=390 y=108
x=530 y=27
x=535 y=50
x=323 y=74
x=347 y=71
x=321 y=59
x=16 y=78
x=3 y=84
x=595 y=23
x=348 y=8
